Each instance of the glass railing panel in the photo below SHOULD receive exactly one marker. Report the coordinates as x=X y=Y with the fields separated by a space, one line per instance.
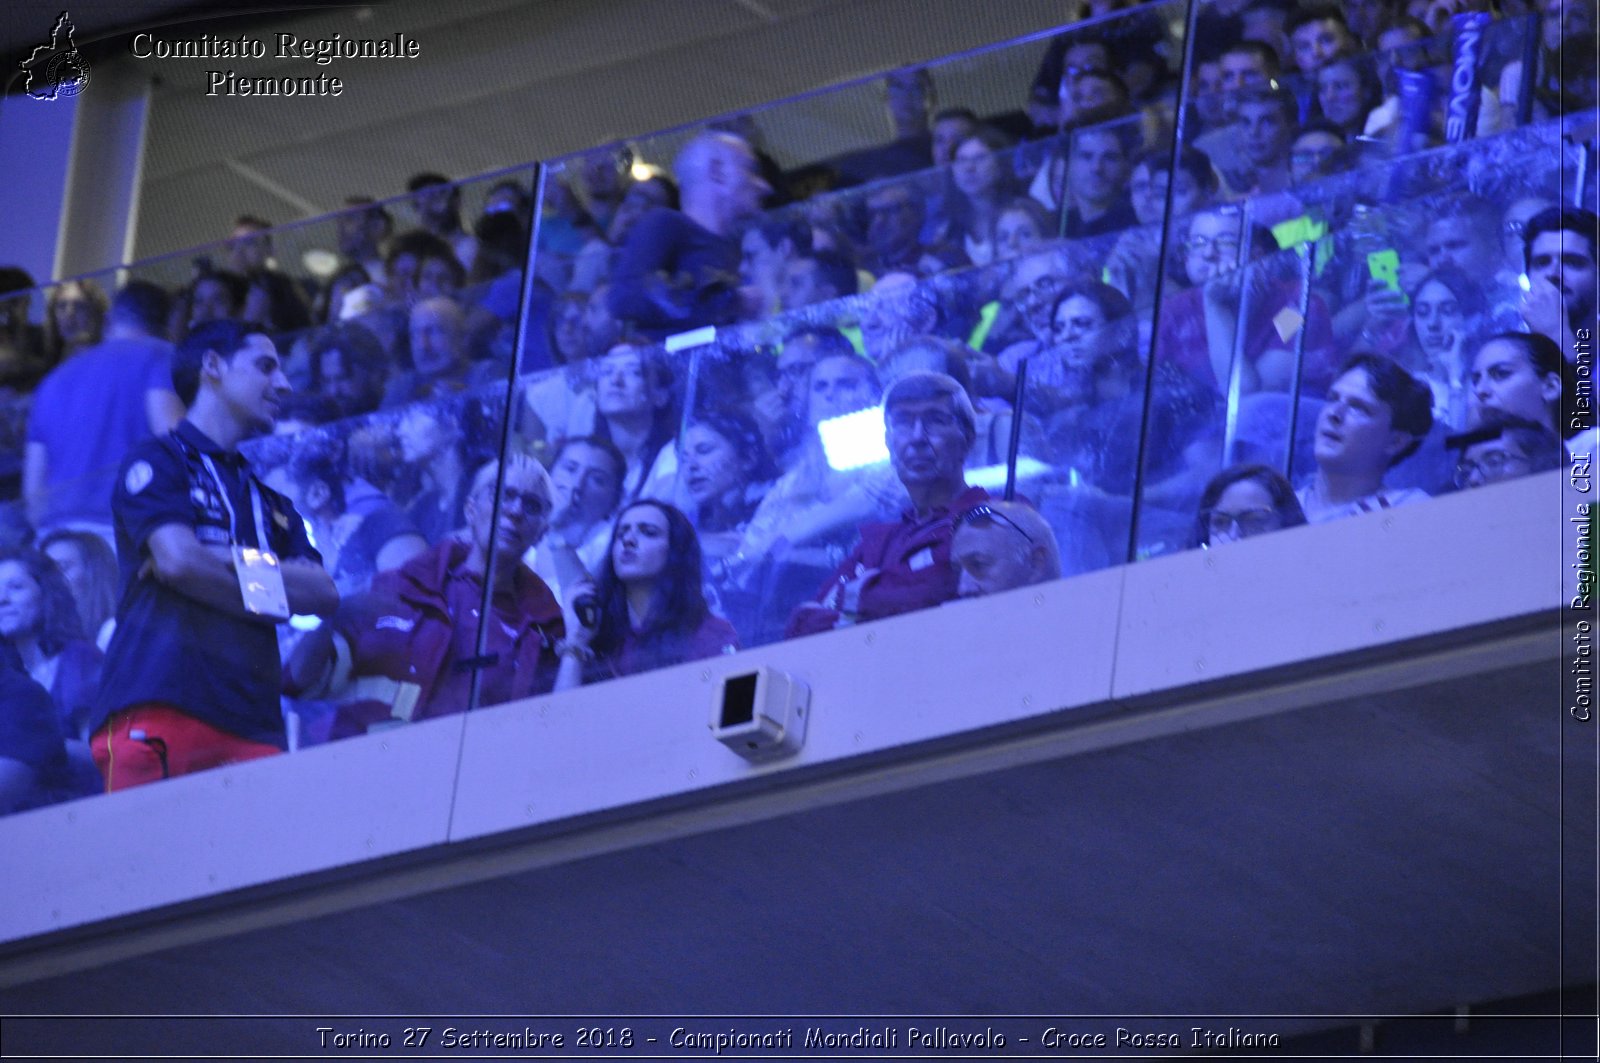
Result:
x=381 y=418
x=1240 y=363
x=1418 y=261
x=1405 y=93
x=892 y=208
x=398 y=502
x=1240 y=340
x=799 y=399
x=884 y=129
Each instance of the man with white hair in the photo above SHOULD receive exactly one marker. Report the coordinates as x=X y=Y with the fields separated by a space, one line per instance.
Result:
x=406 y=649
x=679 y=269
x=904 y=565
x=999 y=546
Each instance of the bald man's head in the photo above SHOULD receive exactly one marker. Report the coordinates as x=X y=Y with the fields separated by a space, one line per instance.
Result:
x=437 y=330
x=719 y=180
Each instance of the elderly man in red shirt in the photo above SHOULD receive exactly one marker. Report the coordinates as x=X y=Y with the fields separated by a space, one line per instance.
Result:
x=406 y=650
x=905 y=565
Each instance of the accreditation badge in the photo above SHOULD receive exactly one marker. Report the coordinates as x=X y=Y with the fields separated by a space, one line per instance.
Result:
x=261 y=582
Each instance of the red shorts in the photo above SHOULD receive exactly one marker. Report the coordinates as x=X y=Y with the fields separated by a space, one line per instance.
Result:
x=171 y=742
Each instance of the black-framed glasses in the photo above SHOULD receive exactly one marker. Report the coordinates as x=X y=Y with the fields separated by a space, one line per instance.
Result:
x=1224 y=245
x=1247 y=522
x=1044 y=287
x=1487 y=467
x=985 y=512
x=901 y=420
x=531 y=502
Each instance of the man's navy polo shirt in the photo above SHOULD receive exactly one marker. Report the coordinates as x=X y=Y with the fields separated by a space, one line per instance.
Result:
x=169 y=648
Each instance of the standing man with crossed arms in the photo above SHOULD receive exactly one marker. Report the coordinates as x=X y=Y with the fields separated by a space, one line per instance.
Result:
x=211 y=561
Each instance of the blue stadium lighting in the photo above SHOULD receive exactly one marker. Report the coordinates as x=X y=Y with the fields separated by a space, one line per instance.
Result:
x=855 y=440
x=308 y=622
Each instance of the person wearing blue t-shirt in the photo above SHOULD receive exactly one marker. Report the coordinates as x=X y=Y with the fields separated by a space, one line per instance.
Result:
x=93 y=408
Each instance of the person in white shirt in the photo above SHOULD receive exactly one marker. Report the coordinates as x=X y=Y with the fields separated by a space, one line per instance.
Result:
x=1375 y=416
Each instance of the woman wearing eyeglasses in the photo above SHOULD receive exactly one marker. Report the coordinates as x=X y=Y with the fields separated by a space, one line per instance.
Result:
x=1245 y=501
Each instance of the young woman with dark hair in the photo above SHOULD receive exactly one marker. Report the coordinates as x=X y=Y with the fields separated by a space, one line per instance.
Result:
x=637 y=410
x=1448 y=311
x=39 y=618
x=647 y=609
x=979 y=183
x=75 y=318
x=1243 y=501
x=726 y=470
x=89 y=566
x=1348 y=91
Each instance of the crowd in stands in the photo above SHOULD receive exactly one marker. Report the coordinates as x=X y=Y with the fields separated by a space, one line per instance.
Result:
x=1225 y=336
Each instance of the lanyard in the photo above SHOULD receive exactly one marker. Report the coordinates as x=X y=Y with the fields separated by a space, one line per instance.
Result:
x=233 y=519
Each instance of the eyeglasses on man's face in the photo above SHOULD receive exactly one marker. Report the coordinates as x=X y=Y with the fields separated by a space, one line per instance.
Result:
x=1488 y=467
x=1044 y=287
x=1226 y=246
